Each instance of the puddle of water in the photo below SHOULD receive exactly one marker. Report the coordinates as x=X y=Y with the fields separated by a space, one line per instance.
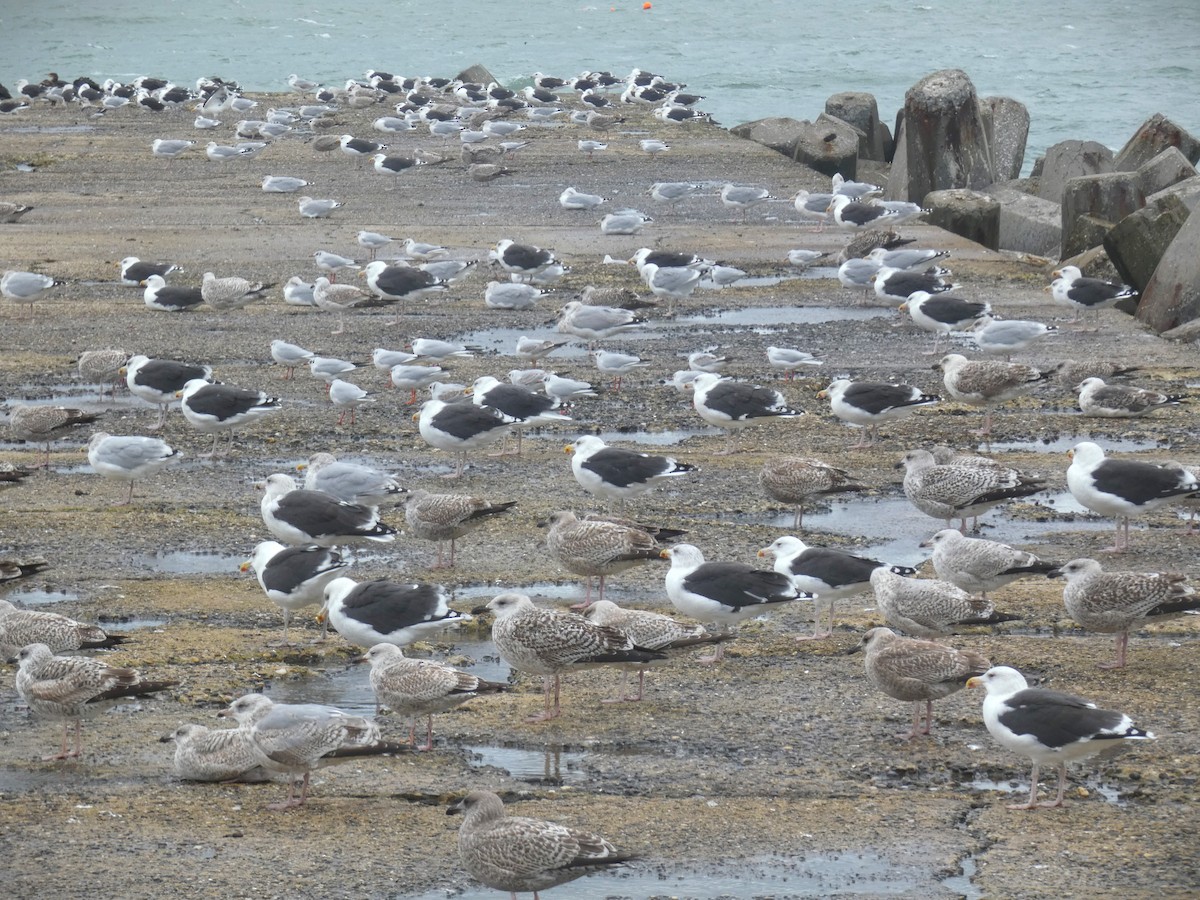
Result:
x=1063 y=443
x=480 y=658
x=348 y=688
x=131 y=624
x=189 y=562
x=818 y=875
x=542 y=591
x=753 y=316
x=982 y=783
x=51 y=129
x=648 y=438
x=504 y=340
x=962 y=883
x=39 y=597
x=549 y=765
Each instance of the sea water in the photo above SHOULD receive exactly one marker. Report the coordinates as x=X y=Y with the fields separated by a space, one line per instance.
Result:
x=1087 y=69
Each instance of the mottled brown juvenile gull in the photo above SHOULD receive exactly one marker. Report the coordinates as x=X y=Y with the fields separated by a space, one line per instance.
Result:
x=447 y=517
x=128 y=457
x=102 y=367
x=351 y=482
x=987 y=382
x=723 y=593
x=43 y=424
x=291 y=739
x=734 y=405
x=421 y=687
x=796 y=479
x=871 y=403
x=234 y=292
x=1048 y=726
x=1123 y=488
x=214 y=407
x=1072 y=372
x=548 y=643
x=294 y=577
x=596 y=547
x=961 y=491
x=826 y=573
x=460 y=427
x=977 y=565
x=918 y=671
x=1118 y=602
x=209 y=754
x=1114 y=401
x=927 y=607
x=618 y=474
x=382 y=611
x=69 y=687
x=651 y=630
x=20 y=627
x=514 y=853
x=9 y=475
x=296 y=516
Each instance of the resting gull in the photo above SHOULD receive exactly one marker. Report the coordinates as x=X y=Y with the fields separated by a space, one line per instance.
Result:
x=796 y=479
x=522 y=260
x=1123 y=488
x=851 y=214
x=460 y=427
x=1048 y=726
x=421 y=687
x=337 y=298
x=298 y=292
x=283 y=184
x=69 y=687
x=215 y=407
x=595 y=323
x=128 y=457
x=722 y=593
x=826 y=573
x=233 y=292
x=159 y=381
x=289 y=356
x=210 y=754
x=298 y=517
x=515 y=853
x=20 y=627
x=548 y=643
x=740 y=197
x=1117 y=602
x=942 y=314
x=292 y=738
x=351 y=482
x=1120 y=402
x=317 y=208
x=1004 y=337
x=905 y=258
x=915 y=671
x=43 y=424
x=447 y=517
x=134 y=271
x=733 y=405
x=526 y=408
x=25 y=288
x=294 y=577
x=619 y=474
x=651 y=630
x=164 y=297
x=987 y=382
x=977 y=565
x=927 y=607
x=952 y=490
x=871 y=403
x=562 y=388
x=381 y=611
x=1071 y=288
x=598 y=547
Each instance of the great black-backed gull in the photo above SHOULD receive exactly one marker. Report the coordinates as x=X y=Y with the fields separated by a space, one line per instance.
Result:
x=460 y=427
x=164 y=297
x=548 y=643
x=871 y=403
x=421 y=687
x=1048 y=726
x=522 y=260
x=618 y=474
x=214 y=407
x=918 y=672
x=1071 y=288
x=298 y=516
x=515 y=853
x=69 y=687
x=733 y=405
x=942 y=314
x=829 y=574
x=850 y=213
x=294 y=577
x=1117 y=602
x=524 y=407
x=900 y=284
x=1123 y=488
x=722 y=593
x=381 y=611
x=134 y=271
x=159 y=381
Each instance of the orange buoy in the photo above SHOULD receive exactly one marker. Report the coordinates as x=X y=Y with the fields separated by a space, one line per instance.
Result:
x=646 y=5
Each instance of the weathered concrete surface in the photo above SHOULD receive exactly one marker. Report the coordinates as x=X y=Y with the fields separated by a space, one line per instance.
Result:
x=1092 y=204
x=1155 y=135
x=970 y=214
x=1164 y=170
x=1172 y=297
x=1070 y=159
x=860 y=109
x=1028 y=224
x=1006 y=124
x=1137 y=243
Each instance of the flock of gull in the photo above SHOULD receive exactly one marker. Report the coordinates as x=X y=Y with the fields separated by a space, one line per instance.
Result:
x=339 y=503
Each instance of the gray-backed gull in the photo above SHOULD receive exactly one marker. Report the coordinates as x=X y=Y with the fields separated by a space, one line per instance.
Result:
x=128 y=457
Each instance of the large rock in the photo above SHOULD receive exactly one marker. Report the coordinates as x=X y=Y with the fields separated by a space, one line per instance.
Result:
x=1188 y=191
x=1164 y=170
x=1173 y=295
x=945 y=140
x=1006 y=122
x=476 y=74
x=828 y=145
x=1070 y=159
x=1156 y=135
x=1028 y=224
x=780 y=133
x=860 y=109
x=1107 y=198
x=1137 y=243
x=970 y=214
x=1086 y=231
